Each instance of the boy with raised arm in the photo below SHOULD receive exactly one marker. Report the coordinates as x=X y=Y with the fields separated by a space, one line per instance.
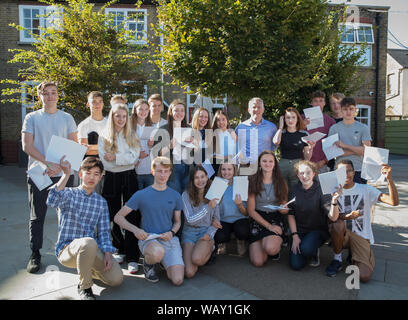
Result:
x=160 y=207
x=84 y=228
x=38 y=128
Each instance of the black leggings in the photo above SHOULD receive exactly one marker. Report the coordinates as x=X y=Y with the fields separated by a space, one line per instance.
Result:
x=239 y=227
x=117 y=190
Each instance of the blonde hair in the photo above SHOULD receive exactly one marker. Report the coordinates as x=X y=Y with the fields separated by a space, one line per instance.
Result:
x=194 y=121
x=163 y=161
x=118 y=99
x=127 y=132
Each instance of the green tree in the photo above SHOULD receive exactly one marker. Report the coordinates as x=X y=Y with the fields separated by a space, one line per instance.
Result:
x=83 y=51
x=277 y=50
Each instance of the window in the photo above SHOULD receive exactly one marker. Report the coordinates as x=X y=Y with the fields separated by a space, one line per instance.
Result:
x=134 y=20
x=27 y=98
x=211 y=104
x=364 y=114
x=357 y=34
x=32 y=19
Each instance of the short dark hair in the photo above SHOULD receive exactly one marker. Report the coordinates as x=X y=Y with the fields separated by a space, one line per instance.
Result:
x=346 y=162
x=347 y=101
x=91 y=162
x=95 y=94
x=318 y=94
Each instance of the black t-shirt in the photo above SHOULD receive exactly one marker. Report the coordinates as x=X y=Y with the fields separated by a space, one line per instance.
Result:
x=292 y=145
x=311 y=208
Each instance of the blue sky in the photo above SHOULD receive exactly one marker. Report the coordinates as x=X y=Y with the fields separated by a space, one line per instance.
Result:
x=397 y=19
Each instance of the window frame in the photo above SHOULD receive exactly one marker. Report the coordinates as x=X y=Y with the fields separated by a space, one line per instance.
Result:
x=368 y=118
x=43 y=21
x=126 y=12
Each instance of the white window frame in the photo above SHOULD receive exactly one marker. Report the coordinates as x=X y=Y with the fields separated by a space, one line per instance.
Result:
x=24 y=103
x=368 y=118
x=44 y=22
x=125 y=11
x=217 y=105
x=356 y=26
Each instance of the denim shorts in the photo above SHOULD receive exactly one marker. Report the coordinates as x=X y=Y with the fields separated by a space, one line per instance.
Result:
x=173 y=254
x=192 y=234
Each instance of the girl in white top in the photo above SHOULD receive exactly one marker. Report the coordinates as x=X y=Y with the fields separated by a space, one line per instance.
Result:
x=141 y=122
x=225 y=140
x=119 y=150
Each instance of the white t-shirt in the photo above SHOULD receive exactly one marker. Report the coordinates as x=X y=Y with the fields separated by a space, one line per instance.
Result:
x=363 y=197
x=43 y=126
x=89 y=125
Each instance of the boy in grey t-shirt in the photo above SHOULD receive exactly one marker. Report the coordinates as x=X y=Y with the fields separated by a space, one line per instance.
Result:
x=353 y=137
x=38 y=128
x=160 y=207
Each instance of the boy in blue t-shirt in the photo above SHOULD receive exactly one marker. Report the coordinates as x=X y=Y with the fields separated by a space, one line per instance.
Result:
x=160 y=207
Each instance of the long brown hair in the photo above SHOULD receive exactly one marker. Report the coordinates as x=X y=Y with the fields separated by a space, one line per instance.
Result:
x=192 y=189
x=133 y=119
x=170 y=119
x=299 y=124
x=279 y=183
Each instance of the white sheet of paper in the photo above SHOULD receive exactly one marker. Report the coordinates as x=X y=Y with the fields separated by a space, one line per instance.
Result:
x=330 y=149
x=288 y=203
x=181 y=134
x=372 y=164
x=330 y=181
x=240 y=186
x=36 y=173
x=208 y=168
x=341 y=174
x=217 y=189
x=147 y=133
x=315 y=116
x=272 y=207
x=58 y=147
x=152 y=236
x=316 y=136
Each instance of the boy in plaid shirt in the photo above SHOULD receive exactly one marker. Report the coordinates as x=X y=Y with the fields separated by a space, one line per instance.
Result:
x=84 y=229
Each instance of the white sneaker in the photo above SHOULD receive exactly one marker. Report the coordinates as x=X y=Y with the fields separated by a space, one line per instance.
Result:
x=118 y=257
x=315 y=261
x=133 y=267
x=222 y=248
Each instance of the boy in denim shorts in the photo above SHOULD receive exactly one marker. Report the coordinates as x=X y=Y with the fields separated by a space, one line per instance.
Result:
x=160 y=207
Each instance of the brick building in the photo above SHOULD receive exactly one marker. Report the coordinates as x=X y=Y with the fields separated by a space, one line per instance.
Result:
x=369 y=26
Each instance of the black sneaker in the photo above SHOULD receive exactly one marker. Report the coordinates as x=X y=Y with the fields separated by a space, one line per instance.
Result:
x=349 y=259
x=276 y=257
x=150 y=273
x=86 y=294
x=334 y=267
x=34 y=264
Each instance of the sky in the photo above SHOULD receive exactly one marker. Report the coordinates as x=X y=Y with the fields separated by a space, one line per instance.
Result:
x=397 y=19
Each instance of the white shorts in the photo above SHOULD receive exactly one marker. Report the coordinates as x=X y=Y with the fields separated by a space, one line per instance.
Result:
x=173 y=254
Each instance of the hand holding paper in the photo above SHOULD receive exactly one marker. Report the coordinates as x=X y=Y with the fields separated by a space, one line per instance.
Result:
x=316 y=136
x=217 y=189
x=240 y=187
x=315 y=116
x=59 y=147
x=373 y=160
x=329 y=147
x=36 y=173
x=330 y=181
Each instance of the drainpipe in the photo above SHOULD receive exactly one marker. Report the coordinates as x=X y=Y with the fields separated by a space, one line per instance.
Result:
x=377 y=77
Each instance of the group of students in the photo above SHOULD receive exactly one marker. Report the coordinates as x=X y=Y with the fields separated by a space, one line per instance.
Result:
x=159 y=201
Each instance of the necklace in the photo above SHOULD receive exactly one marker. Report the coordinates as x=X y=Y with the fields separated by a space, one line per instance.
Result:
x=268 y=193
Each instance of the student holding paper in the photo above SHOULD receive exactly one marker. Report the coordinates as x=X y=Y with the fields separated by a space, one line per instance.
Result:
x=308 y=217
x=82 y=211
x=289 y=137
x=352 y=228
x=90 y=129
x=225 y=140
x=266 y=187
x=38 y=128
x=201 y=123
x=200 y=214
x=140 y=120
x=161 y=208
x=233 y=213
x=318 y=157
x=353 y=136
x=176 y=118
x=119 y=149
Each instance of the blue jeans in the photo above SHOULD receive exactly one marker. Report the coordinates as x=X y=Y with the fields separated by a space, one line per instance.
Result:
x=144 y=181
x=310 y=242
x=180 y=177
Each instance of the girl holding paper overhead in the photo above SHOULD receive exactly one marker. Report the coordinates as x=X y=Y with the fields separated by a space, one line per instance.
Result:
x=293 y=148
x=308 y=219
x=233 y=213
x=201 y=215
x=178 y=154
x=266 y=187
x=119 y=150
x=141 y=123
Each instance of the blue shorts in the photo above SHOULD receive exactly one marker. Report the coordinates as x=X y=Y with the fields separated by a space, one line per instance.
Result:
x=192 y=234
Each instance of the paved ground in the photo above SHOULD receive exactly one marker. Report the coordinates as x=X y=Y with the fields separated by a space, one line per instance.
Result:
x=232 y=277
